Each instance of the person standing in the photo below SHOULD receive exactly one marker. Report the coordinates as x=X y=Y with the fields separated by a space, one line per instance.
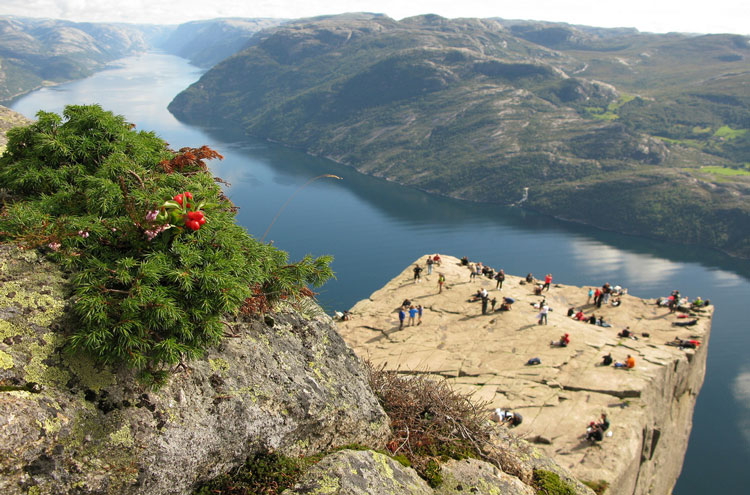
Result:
x=543 y=310
x=500 y=277
x=591 y=293
x=417 y=274
x=547 y=281
x=401 y=318
x=430 y=262
x=485 y=301
x=412 y=314
x=441 y=282
x=419 y=311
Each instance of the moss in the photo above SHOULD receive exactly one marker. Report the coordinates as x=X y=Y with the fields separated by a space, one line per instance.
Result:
x=122 y=437
x=219 y=365
x=327 y=485
x=90 y=375
x=39 y=372
x=34 y=490
x=549 y=483
x=8 y=330
x=54 y=425
x=6 y=361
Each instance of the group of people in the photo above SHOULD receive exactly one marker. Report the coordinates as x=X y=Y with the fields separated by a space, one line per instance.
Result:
x=413 y=311
x=628 y=364
x=605 y=293
x=595 y=430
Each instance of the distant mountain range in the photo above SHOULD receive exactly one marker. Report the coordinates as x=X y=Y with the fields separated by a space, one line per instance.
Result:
x=634 y=132
x=37 y=52
x=639 y=133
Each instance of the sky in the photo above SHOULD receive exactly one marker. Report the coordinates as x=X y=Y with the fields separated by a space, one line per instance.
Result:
x=659 y=16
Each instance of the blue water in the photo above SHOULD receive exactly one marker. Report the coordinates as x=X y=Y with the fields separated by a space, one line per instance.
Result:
x=375 y=228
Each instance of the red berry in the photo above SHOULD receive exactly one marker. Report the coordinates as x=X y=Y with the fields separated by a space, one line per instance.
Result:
x=201 y=220
x=198 y=215
x=192 y=224
x=188 y=195
x=191 y=215
x=178 y=198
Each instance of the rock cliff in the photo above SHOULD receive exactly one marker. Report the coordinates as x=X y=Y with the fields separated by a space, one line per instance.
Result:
x=650 y=406
x=286 y=383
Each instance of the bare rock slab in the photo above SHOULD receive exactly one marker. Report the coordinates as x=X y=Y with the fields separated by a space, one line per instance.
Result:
x=650 y=406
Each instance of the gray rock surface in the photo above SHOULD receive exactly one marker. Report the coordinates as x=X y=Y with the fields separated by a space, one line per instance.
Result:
x=287 y=383
x=362 y=472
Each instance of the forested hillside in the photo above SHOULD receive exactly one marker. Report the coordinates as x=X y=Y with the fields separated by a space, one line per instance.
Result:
x=640 y=133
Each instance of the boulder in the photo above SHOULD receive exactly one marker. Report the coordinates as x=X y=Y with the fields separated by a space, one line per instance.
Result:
x=286 y=382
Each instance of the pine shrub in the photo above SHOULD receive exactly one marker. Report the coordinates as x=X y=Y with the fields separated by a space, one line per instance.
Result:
x=97 y=197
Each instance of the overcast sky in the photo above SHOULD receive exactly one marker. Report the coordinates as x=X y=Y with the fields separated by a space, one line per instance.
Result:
x=716 y=16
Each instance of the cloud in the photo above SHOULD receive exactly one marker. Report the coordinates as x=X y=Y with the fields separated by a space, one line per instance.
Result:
x=741 y=389
x=646 y=15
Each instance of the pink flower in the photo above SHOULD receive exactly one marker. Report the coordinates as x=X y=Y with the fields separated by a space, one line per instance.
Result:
x=83 y=233
x=54 y=246
x=151 y=215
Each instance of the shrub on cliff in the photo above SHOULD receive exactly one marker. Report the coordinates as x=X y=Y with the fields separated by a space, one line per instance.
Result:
x=156 y=254
x=431 y=423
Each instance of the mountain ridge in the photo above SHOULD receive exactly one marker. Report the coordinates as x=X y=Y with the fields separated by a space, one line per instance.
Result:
x=466 y=109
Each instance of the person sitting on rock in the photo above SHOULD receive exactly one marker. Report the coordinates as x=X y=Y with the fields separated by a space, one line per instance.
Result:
x=507 y=303
x=529 y=278
x=437 y=259
x=594 y=433
x=607 y=360
x=629 y=363
x=580 y=316
x=563 y=342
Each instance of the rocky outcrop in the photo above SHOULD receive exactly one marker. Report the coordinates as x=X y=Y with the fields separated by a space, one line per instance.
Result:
x=650 y=407
x=285 y=383
x=8 y=120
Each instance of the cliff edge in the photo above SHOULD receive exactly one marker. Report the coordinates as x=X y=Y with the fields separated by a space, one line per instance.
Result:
x=650 y=407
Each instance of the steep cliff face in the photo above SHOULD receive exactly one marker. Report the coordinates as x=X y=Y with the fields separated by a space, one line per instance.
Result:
x=287 y=383
x=650 y=407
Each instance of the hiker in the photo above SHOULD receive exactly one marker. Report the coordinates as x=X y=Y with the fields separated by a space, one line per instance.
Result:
x=412 y=314
x=607 y=360
x=543 y=313
x=492 y=303
x=430 y=262
x=529 y=278
x=406 y=303
x=465 y=261
x=401 y=318
x=441 y=282
x=500 y=277
x=563 y=342
x=420 y=309
x=626 y=333
x=580 y=316
x=600 y=321
x=592 y=319
x=538 y=289
x=417 y=274
x=485 y=301
x=547 y=281
x=436 y=259
x=594 y=433
x=591 y=294
x=571 y=311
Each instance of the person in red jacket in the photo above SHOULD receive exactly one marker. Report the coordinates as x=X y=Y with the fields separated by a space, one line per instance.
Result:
x=547 y=281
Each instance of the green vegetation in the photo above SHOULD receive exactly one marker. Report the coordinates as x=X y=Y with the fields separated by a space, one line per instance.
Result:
x=725 y=171
x=599 y=487
x=549 y=483
x=156 y=255
x=262 y=474
x=482 y=114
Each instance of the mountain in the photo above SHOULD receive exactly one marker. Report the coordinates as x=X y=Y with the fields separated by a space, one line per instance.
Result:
x=634 y=132
x=35 y=52
x=205 y=43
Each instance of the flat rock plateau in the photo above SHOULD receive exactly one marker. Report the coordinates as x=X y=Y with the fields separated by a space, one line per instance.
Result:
x=650 y=407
